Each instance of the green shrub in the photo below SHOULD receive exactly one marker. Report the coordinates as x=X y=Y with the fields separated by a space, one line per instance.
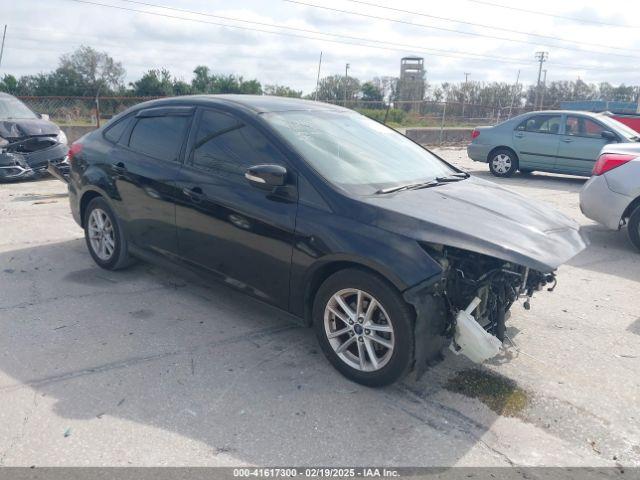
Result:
x=395 y=115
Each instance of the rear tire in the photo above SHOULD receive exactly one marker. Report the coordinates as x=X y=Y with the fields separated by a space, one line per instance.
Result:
x=376 y=345
x=503 y=162
x=633 y=228
x=104 y=235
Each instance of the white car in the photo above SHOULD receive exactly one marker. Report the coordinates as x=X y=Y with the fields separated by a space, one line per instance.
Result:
x=612 y=195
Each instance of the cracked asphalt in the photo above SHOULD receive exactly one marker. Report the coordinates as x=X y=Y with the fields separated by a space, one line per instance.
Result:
x=150 y=366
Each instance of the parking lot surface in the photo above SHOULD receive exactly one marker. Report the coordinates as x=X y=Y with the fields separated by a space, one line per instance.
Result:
x=150 y=366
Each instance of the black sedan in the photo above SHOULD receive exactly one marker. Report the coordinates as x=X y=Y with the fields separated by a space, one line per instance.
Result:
x=28 y=142
x=387 y=250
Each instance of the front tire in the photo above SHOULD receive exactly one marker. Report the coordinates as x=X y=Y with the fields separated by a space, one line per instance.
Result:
x=364 y=327
x=104 y=236
x=633 y=228
x=503 y=162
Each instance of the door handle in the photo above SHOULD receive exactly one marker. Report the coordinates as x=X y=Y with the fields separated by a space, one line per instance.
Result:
x=567 y=140
x=519 y=135
x=119 y=167
x=195 y=194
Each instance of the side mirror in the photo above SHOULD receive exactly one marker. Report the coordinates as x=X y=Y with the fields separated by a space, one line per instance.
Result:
x=43 y=116
x=609 y=136
x=266 y=177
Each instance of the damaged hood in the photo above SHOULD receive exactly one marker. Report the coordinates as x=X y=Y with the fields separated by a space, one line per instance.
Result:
x=21 y=128
x=482 y=217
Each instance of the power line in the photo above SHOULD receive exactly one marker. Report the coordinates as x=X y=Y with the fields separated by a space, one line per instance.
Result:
x=430 y=51
x=448 y=19
x=305 y=30
x=461 y=32
x=545 y=14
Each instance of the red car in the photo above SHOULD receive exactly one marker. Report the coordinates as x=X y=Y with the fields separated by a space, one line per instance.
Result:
x=630 y=120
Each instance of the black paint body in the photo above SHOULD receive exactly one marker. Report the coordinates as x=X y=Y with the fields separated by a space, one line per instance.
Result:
x=279 y=244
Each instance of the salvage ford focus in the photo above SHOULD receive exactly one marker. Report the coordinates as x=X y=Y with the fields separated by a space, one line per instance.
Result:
x=388 y=251
x=28 y=143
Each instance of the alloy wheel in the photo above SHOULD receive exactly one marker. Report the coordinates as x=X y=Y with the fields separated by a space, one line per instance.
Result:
x=101 y=234
x=359 y=330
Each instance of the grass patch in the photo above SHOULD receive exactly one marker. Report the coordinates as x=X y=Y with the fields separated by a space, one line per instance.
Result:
x=500 y=394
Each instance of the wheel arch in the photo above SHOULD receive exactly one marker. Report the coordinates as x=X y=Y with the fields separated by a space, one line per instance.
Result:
x=85 y=200
x=503 y=147
x=629 y=210
x=319 y=274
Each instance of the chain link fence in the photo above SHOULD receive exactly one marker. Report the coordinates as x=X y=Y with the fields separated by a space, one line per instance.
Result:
x=427 y=113
x=88 y=111
x=81 y=111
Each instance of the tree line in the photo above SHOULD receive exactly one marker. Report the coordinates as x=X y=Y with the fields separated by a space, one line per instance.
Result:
x=89 y=72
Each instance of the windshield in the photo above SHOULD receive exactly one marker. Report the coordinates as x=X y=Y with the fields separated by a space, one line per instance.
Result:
x=351 y=150
x=619 y=126
x=11 y=108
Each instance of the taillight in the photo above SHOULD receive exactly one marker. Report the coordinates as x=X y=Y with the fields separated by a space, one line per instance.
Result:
x=609 y=161
x=475 y=133
x=74 y=150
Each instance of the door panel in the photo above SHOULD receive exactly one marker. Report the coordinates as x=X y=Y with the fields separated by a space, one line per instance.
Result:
x=580 y=145
x=145 y=172
x=536 y=142
x=241 y=233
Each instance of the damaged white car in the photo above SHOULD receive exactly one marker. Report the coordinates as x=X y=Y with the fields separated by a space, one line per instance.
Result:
x=28 y=142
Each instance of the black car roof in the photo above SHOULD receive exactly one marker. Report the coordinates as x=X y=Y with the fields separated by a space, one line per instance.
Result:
x=257 y=103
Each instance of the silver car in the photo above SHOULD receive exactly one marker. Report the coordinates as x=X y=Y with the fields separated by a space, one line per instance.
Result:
x=612 y=195
x=559 y=141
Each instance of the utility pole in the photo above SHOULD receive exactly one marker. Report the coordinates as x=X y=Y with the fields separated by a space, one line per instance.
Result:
x=464 y=93
x=4 y=34
x=544 y=89
x=515 y=92
x=346 y=78
x=318 y=79
x=541 y=57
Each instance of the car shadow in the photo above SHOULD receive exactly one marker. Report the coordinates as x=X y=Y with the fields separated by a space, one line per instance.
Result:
x=160 y=348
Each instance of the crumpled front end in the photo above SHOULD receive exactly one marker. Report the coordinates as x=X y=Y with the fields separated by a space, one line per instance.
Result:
x=29 y=157
x=472 y=287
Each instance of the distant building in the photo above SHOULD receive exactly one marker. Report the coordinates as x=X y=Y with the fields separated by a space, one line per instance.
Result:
x=411 y=83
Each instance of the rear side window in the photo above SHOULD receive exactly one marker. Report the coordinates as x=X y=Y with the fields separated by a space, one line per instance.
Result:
x=226 y=146
x=114 y=132
x=159 y=137
x=541 y=124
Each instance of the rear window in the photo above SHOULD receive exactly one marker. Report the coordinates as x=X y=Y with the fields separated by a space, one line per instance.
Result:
x=114 y=132
x=159 y=137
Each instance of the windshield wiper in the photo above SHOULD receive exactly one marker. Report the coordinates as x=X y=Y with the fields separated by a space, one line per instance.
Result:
x=454 y=177
x=408 y=186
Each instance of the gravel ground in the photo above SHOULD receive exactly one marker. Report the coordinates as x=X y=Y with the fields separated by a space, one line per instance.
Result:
x=149 y=366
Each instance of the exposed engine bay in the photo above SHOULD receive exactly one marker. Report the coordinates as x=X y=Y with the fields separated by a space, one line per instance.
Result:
x=474 y=289
x=30 y=156
x=498 y=284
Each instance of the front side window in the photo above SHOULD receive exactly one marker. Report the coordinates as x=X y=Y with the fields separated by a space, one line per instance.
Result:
x=583 y=127
x=225 y=146
x=159 y=137
x=541 y=124
x=355 y=152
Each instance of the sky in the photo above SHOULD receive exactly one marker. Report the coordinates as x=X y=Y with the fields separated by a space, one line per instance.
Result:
x=279 y=41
